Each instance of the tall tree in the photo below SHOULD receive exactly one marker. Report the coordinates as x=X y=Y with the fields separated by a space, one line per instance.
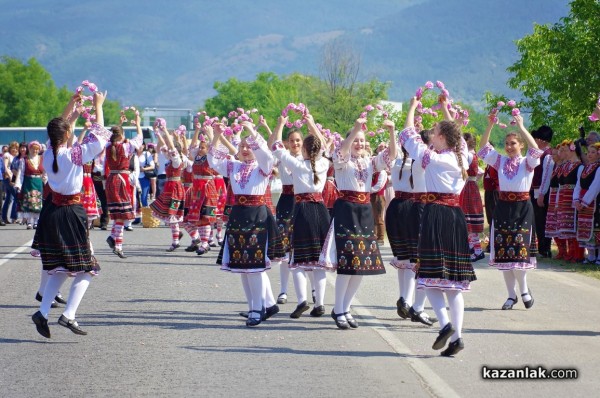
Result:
x=558 y=70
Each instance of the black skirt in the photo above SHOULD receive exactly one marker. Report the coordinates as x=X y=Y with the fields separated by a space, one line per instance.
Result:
x=62 y=238
x=513 y=234
x=250 y=238
x=285 y=214
x=443 y=245
x=397 y=228
x=311 y=224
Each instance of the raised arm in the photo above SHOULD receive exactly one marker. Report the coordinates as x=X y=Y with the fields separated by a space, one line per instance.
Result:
x=391 y=128
x=347 y=143
x=86 y=126
x=410 y=114
x=524 y=133
x=485 y=138
x=278 y=136
x=197 y=128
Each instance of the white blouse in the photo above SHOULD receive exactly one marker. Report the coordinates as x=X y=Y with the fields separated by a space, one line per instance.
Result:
x=442 y=173
x=514 y=174
x=301 y=173
x=246 y=178
x=401 y=185
x=69 y=178
x=355 y=173
x=285 y=174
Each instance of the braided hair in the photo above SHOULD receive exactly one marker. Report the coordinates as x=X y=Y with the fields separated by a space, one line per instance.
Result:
x=57 y=133
x=425 y=137
x=117 y=135
x=312 y=145
x=451 y=132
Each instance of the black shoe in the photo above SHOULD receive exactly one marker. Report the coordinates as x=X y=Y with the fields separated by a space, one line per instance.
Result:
x=255 y=321
x=71 y=324
x=402 y=308
x=421 y=316
x=282 y=298
x=136 y=221
x=351 y=321
x=453 y=348
x=212 y=244
x=111 y=242
x=201 y=250
x=60 y=299
x=508 y=305
x=528 y=304
x=38 y=297
x=302 y=307
x=103 y=227
x=41 y=324
x=2 y=223
x=243 y=314
x=270 y=311
x=318 y=310
x=172 y=248
x=119 y=253
x=193 y=247
x=443 y=336
x=314 y=299
x=129 y=228
x=343 y=324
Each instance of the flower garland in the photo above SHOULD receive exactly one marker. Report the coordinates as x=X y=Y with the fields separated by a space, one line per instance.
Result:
x=87 y=110
x=300 y=109
x=593 y=117
x=124 y=116
x=429 y=86
x=500 y=106
x=365 y=114
x=239 y=115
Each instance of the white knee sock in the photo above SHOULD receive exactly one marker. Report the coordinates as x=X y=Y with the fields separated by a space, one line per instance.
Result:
x=255 y=281
x=78 y=288
x=521 y=277
x=353 y=286
x=268 y=297
x=400 y=275
x=511 y=283
x=456 y=303
x=247 y=292
x=420 y=297
x=284 y=276
x=299 y=277
x=438 y=302
x=43 y=282
x=53 y=285
x=409 y=286
x=320 y=284
x=341 y=286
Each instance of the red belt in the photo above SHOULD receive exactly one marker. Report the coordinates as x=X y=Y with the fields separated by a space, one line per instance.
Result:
x=403 y=195
x=250 y=200
x=513 y=196
x=309 y=197
x=65 y=200
x=287 y=189
x=444 y=199
x=356 y=197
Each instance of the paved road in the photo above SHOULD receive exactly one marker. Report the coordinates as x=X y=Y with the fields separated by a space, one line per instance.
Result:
x=166 y=324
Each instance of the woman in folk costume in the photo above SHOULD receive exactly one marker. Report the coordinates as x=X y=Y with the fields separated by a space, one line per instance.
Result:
x=585 y=201
x=310 y=220
x=565 y=212
x=445 y=269
x=513 y=242
x=29 y=183
x=62 y=237
x=168 y=206
x=552 y=213
x=351 y=246
x=118 y=188
x=90 y=199
x=402 y=222
x=251 y=238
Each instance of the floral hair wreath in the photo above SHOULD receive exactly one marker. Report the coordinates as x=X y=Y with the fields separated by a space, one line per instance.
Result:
x=181 y=130
x=501 y=106
x=160 y=123
x=365 y=114
x=593 y=116
x=429 y=86
x=300 y=109
x=124 y=116
x=88 y=109
x=238 y=116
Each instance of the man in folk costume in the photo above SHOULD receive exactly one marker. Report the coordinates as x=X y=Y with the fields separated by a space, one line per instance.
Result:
x=539 y=187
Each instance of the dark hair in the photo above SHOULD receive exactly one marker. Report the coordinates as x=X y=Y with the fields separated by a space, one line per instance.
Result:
x=312 y=145
x=294 y=130
x=451 y=132
x=117 y=134
x=57 y=130
x=426 y=136
x=23 y=145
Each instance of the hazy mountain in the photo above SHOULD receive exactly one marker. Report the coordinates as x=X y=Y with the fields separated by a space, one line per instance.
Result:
x=170 y=53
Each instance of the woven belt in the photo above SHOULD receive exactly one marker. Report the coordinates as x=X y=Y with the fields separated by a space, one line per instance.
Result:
x=356 y=197
x=444 y=199
x=416 y=196
x=567 y=186
x=330 y=178
x=87 y=174
x=120 y=172
x=65 y=200
x=513 y=196
x=309 y=197
x=471 y=178
x=35 y=176
x=287 y=189
x=250 y=200
x=174 y=179
x=403 y=195
x=196 y=177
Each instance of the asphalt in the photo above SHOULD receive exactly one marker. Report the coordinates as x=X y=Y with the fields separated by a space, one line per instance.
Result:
x=166 y=324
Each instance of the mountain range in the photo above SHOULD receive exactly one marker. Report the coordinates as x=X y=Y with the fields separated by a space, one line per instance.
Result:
x=170 y=53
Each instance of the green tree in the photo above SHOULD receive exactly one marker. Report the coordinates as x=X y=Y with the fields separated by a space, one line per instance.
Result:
x=558 y=70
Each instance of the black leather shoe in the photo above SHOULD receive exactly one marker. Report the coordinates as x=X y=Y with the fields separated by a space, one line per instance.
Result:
x=270 y=311
x=443 y=336
x=193 y=247
x=421 y=317
x=111 y=242
x=282 y=298
x=508 y=305
x=318 y=310
x=343 y=324
x=255 y=321
x=60 y=299
x=351 y=321
x=103 y=227
x=201 y=250
x=529 y=303
x=71 y=324
x=38 y=297
x=402 y=308
x=2 y=223
x=128 y=228
x=41 y=324
x=212 y=244
x=172 y=248
x=119 y=253
x=302 y=307
x=453 y=348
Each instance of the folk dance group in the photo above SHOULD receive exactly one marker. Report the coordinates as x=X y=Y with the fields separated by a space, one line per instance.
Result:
x=324 y=219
